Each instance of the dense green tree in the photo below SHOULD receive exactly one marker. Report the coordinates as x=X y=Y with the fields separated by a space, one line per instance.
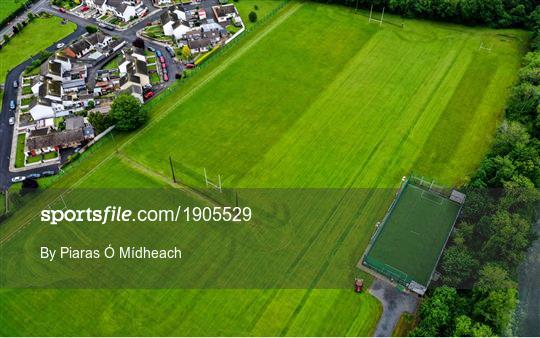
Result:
x=458 y=265
x=437 y=313
x=100 y=121
x=509 y=236
x=493 y=277
x=509 y=134
x=523 y=102
x=127 y=113
x=466 y=327
x=479 y=203
x=495 y=308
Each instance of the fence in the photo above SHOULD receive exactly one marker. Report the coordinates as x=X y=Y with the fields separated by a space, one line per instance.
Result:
x=429 y=184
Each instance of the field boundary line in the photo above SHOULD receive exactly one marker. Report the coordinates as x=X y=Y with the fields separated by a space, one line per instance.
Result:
x=218 y=70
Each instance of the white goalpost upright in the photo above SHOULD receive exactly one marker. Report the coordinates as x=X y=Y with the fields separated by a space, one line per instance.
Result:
x=376 y=20
x=209 y=183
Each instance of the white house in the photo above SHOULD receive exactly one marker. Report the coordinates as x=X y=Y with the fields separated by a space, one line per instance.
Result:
x=173 y=25
x=122 y=9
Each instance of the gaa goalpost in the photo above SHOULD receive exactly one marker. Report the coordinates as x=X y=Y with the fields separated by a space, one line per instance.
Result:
x=376 y=20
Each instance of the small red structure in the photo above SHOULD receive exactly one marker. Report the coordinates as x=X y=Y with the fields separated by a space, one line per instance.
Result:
x=358 y=285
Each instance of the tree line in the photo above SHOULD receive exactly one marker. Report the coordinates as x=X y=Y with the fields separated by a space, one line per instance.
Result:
x=495 y=13
x=477 y=294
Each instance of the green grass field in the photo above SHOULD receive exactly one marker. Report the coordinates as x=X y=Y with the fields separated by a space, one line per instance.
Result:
x=352 y=105
x=38 y=35
x=413 y=235
x=9 y=6
x=315 y=97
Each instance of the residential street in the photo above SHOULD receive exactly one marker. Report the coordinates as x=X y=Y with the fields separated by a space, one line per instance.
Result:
x=6 y=131
x=35 y=8
x=10 y=93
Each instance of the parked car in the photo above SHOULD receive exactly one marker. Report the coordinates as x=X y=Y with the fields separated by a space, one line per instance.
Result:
x=165 y=77
x=152 y=49
x=170 y=50
x=84 y=8
x=60 y=45
x=148 y=95
x=12 y=104
x=18 y=179
x=162 y=59
x=158 y=53
x=47 y=173
x=61 y=10
x=147 y=88
x=15 y=84
x=33 y=176
x=190 y=65
x=164 y=67
x=11 y=121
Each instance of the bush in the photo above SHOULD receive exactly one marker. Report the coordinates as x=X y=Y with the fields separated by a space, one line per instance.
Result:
x=252 y=16
x=206 y=56
x=138 y=42
x=91 y=29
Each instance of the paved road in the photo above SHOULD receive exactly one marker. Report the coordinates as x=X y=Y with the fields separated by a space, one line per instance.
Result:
x=130 y=34
x=394 y=303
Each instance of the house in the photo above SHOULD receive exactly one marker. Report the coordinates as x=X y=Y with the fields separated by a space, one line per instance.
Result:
x=201 y=13
x=122 y=9
x=81 y=48
x=211 y=25
x=213 y=35
x=138 y=53
x=173 y=25
x=58 y=90
x=46 y=140
x=199 y=46
x=78 y=49
x=99 y=40
x=133 y=73
x=74 y=122
x=224 y=12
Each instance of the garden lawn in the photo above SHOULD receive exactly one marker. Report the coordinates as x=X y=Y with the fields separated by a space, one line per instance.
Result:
x=113 y=64
x=36 y=36
x=19 y=159
x=316 y=98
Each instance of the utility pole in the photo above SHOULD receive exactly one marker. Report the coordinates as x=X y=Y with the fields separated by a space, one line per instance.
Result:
x=172 y=169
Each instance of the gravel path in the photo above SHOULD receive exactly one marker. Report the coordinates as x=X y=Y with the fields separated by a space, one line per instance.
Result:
x=394 y=304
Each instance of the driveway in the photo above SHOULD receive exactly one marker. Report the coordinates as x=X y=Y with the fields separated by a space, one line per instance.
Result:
x=394 y=303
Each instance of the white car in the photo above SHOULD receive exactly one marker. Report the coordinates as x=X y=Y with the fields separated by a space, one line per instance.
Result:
x=60 y=45
x=11 y=121
x=18 y=179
